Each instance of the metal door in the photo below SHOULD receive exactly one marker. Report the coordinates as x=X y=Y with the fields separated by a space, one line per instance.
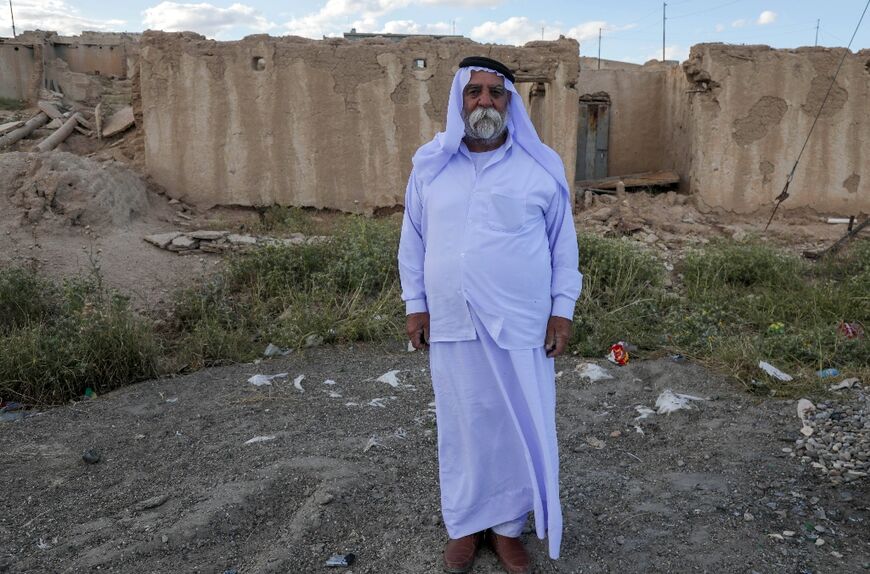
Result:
x=592 y=136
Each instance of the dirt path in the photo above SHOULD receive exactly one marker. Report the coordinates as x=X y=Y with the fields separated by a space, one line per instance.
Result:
x=178 y=490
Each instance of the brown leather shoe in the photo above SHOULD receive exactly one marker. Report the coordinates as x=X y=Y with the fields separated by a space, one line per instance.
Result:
x=511 y=553
x=459 y=553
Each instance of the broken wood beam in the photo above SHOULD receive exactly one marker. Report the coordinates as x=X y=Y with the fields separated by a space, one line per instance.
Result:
x=84 y=132
x=85 y=123
x=58 y=136
x=98 y=120
x=10 y=126
x=33 y=123
x=645 y=179
x=50 y=110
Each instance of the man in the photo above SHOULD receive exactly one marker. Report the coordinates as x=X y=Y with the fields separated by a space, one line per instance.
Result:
x=488 y=263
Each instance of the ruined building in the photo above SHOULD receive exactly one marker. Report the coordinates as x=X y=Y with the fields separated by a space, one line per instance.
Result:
x=333 y=123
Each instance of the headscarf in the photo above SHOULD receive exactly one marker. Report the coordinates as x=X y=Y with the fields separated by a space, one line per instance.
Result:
x=431 y=158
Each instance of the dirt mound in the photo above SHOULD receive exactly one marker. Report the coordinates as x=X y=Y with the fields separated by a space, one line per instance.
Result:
x=67 y=189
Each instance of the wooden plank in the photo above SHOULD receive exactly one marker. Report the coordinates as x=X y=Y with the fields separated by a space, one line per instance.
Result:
x=50 y=110
x=645 y=179
x=36 y=121
x=98 y=120
x=10 y=126
x=85 y=123
x=119 y=122
x=83 y=131
x=58 y=136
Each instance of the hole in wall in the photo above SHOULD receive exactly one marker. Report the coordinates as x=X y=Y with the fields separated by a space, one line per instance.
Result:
x=866 y=66
x=111 y=48
x=16 y=48
x=420 y=63
x=258 y=63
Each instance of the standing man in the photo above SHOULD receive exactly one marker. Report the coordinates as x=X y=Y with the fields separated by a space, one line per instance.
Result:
x=489 y=270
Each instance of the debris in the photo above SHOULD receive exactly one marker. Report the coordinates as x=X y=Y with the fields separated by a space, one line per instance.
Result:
x=172 y=400
x=372 y=442
x=776 y=536
x=208 y=235
x=643 y=412
x=390 y=378
x=804 y=407
x=274 y=351
x=59 y=135
x=329 y=382
x=669 y=401
x=594 y=442
x=91 y=456
x=98 y=120
x=89 y=393
x=43 y=545
x=10 y=126
x=260 y=380
x=828 y=373
x=340 y=560
x=677 y=358
x=788 y=533
x=850 y=330
x=334 y=395
x=774 y=372
x=411 y=348
x=618 y=354
x=120 y=121
x=377 y=402
x=593 y=372
x=839 y=220
x=33 y=123
x=616 y=434
x=153 y=502
x=162 y=240
x=262 y=438
x=820 y=541
x=297 y=382
x=50 y=110
x=644 y=179
x=844 y=384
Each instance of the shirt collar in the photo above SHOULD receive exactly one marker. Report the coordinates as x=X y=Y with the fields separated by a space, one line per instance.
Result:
x=499 y=152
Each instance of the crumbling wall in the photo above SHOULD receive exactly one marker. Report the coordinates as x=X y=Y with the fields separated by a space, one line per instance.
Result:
x=751 y=111
x=648 y=126
x=20 y=70
x=330 y=124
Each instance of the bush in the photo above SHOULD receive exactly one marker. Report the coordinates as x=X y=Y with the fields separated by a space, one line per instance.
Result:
x=64 y=339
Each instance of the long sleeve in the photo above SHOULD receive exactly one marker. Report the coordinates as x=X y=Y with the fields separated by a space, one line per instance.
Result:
x=412 y=250
x=567 y=280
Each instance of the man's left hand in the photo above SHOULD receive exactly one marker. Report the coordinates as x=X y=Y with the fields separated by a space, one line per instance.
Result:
x=558 y=335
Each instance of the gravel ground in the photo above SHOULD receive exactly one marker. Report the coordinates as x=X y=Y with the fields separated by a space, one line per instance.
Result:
x=176 y=489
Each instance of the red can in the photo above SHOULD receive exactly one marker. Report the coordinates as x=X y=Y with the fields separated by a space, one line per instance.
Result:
x=618 y=354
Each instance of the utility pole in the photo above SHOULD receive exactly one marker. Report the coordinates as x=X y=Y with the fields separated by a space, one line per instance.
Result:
x=542 y=32
x=11 y=13
x=599 y=48
x=454 y=27
x=817 y=31
x=664 y=20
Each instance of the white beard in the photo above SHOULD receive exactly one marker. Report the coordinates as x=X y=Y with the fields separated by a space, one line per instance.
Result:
x=485 y=124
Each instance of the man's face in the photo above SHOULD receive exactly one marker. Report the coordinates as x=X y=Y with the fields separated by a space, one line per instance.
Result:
x=484 y=106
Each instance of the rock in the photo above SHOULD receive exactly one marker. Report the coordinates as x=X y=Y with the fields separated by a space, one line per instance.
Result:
x=616 y=434
x=241 y=239
x=164 y=538
x=153 y=502
x=313 y=340
x=602 y=214
x=323 y=498
x=162 y=240
x=588 y=200
x=747 y=516
x=91 y=456
x=182 y=243
x=207 y=235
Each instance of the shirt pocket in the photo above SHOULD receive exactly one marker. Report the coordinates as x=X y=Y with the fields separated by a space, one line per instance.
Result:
x=506 y=212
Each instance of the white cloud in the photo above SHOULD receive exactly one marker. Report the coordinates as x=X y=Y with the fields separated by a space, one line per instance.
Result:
x=720 y=27
x=738 y=23
x=338 y=16
x=204 y=18
x=464 y=3
x=518 y=30
x=674 y=52
x=767 y=17
x=56 y=15
x=412 y=27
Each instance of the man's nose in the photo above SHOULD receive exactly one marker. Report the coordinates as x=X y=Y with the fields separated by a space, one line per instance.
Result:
x=485 y=100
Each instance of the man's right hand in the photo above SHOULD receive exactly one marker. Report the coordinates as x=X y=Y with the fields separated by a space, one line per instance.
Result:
x=417 y=325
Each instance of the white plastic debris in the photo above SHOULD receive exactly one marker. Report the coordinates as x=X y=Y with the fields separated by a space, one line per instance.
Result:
x=263 y=438
x=275 y=351
x=172 y=400
x=377 y=402
x=43 y=545
x=593 y=372
x=643 y=412
x=351 y=404
x=371 y=443
x=260 y=380
x=390 y=378
x=774 y=372
x=297 y=382
x=334 y=395
x=411 y=348
x=844 y=384
x=804 y=407
x=639 y=430
x=669 y=401
x=329 y=382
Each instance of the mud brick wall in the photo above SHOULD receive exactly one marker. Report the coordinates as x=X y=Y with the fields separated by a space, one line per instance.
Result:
x=20 y=70
x=750 y=117
x=322 y=123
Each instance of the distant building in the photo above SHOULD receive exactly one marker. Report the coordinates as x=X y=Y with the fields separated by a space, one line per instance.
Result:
x=354 y=35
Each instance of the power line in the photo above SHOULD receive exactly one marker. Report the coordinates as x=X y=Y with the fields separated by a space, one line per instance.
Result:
x=784 y=194
x=664 y=20
x=819 y=21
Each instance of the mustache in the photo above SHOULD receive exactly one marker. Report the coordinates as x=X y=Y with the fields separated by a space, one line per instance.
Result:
x=485 y=123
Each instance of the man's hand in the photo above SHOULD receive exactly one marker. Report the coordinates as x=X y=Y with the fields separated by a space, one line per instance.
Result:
x=558 y=335
x=417 y=325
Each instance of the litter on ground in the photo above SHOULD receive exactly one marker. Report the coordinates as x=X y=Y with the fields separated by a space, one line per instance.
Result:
x=263 y=438
x=260 y=380
x=390 y=378
x=774 y=372
x=593 y=372
x=844 y=384
x=275 y=351
x=669 y=401
x=297 y=382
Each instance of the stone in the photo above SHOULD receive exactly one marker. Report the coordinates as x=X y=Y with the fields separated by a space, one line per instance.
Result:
x=91 y=456
x=162 y=240
x=207 y=235
x=118 y=122
x=241 y=239
x=150 y=503
x=182 y=243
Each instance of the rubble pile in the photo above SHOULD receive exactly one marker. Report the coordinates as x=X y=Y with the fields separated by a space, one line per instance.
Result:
x=836 y=440
x=211 y=241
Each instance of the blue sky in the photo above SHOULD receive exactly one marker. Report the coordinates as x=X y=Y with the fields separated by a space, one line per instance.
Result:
x=632 y=29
